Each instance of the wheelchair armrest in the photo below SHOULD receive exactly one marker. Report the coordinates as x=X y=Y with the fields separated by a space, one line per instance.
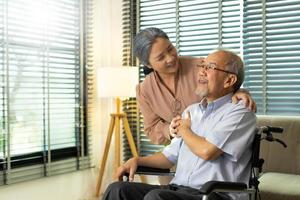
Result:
x=211 y=186
x=141 y=170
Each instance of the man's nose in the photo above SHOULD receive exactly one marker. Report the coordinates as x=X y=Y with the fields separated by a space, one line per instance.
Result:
x=202 y=71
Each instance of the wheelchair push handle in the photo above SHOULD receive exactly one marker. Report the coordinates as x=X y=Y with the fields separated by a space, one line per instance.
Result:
x=268 y=130
x=274 y=129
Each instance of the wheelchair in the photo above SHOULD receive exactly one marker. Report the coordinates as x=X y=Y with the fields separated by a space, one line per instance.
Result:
x=261 y=133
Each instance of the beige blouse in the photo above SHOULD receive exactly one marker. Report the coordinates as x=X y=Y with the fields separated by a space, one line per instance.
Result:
x=159 y=106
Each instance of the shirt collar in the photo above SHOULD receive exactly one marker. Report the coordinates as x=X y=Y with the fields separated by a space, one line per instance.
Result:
x=216 y=103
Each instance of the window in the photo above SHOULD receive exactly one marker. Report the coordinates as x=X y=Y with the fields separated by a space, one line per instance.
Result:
x=130 y=105
x=41 y=93
x=195 y=27
x=272 y=55
x=266 y=33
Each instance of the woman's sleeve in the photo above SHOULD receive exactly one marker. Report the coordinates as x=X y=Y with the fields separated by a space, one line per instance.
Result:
x=155 y=127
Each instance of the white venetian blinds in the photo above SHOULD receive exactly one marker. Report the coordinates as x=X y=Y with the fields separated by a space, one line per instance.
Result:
x=195 y=27
x=207 y=25
x=160 y=14
x=266 y=33
x=272 y=55
x=41 y=93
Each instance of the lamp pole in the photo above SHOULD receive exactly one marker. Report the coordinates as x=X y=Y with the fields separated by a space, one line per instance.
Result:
x=115 y=123
x=116 y=82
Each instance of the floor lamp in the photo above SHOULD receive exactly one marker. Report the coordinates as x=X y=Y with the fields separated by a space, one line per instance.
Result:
x=116 y=82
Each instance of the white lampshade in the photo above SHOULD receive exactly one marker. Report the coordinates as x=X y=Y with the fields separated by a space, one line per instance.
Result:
x=117 y=81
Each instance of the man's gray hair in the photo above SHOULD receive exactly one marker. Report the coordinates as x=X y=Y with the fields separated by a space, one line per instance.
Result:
x=143 y=42
x=236 y=65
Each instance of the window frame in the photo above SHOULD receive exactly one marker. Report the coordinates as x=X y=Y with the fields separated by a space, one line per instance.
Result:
x=65 y=159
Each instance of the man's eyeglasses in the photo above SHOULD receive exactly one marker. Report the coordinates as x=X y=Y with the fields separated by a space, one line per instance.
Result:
x=211 y=66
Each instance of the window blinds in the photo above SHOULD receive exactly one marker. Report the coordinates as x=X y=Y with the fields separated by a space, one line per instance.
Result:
x=41 y=89
x=265 y=33
x=160 y=14
x=87 y=114
x=129 y=105
x=271 y=54
x=207 y=25
x=195 y=27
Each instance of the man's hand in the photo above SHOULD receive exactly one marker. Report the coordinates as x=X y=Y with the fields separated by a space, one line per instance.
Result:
x=184 y=124
x=244 y=95
x=129 y=166
x=173 y=126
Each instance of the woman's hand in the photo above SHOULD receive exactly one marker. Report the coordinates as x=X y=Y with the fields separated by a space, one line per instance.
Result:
x=174 y=125
x=129 y=166
x=184 y=124
x=244 y=96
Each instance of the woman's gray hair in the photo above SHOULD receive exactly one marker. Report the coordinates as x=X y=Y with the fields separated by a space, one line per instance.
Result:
x=143 y=42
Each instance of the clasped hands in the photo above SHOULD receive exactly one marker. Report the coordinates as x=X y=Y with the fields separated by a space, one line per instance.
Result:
x=180 y=125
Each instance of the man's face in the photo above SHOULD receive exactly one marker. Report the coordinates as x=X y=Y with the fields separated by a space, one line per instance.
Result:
x=211 y=77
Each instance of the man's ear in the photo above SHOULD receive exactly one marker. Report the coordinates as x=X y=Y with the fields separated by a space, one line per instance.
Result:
x=230 y=80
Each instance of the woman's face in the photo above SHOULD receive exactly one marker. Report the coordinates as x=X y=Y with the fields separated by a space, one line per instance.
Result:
x=163 y=57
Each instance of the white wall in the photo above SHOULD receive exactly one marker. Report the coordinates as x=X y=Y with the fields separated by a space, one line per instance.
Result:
x=81 y=185
x=108 y=53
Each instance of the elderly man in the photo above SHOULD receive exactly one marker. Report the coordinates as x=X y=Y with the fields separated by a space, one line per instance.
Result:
x=211 y=142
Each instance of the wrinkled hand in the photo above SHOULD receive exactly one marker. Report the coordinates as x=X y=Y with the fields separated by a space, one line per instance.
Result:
x=173 y=126
x=199 y=60
x=184 y=124
x=246 y=98
x=129 y=166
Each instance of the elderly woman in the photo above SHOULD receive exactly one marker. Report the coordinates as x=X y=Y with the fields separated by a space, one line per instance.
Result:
x=170 y=86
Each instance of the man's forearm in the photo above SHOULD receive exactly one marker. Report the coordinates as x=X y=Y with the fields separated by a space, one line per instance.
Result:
x=200 y=146
x=157 y=160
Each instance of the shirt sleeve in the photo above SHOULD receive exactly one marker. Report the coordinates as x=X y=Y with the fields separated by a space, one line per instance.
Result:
x=235 y=133
x=172 y=150
x=155 y=127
